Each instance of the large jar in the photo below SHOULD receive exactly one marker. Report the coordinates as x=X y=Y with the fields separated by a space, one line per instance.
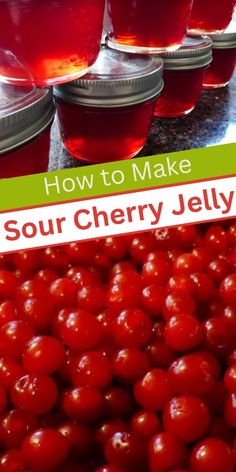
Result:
x=183 y=76
x=49 y=41
x=26 y=116
x=221 y=70
x=210 y=16
x=148 y=27
x=106 y=115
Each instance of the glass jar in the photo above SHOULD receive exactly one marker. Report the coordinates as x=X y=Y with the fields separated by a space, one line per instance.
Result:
x=223 y=63
x=48 y=42
x=183 y=75
x=210 y=16
x=26 y=116
x=106 y=115
x=141 y=28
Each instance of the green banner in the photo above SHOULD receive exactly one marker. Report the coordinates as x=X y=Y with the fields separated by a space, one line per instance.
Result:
x=115 y=177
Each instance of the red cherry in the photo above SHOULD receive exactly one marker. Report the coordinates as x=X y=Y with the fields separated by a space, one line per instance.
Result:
x=14 y=425
x=187 y=417
x=80 y=330
x=108 y=468
x=130 y=364
x=166 y=452
x=83 y=403
x=204 y=288
x=8 y=284
x=152 y=299
x=45 y=277
x=8 y=312
x=39 y=312
x=193 y=374
x=55 y=258
x=12 y=461
x=156 y=270
x=116 y=247
x=187 y=264
x=82 y=252
x=179 y=284
x=132 y=328
x=106 y=430
x=13 y=338
x=79 y=437
x=211 y=454
x=183 y=332
x=44 y=449
x=230 y=410
x=152 y=391
x=43 y=354
x=177 y=303
x=63 y=292
x=91 y=298
x=9 y=371
x=140 y=247
x=145 y=423
x=27 y=261
x=118 y=402
x=120 y=297
x=228 y=289
x=34 y=393
x=219 y=333
x=216 y=239
x=92 y=369
x=125 y=450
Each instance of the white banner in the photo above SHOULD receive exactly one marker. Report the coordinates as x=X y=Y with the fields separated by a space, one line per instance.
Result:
x=122 y=213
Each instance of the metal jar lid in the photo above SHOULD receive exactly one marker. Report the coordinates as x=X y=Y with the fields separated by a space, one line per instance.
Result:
x=194 y=53
x=24 y=113
x=226 y=40
x=116 y=79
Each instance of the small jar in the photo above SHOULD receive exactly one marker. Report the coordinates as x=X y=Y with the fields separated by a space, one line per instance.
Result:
x=183 y=76
x=148 y=27
x=49 y=42
x=223 y=63
x=106 y=115
x=26 y=116
x=210 y=16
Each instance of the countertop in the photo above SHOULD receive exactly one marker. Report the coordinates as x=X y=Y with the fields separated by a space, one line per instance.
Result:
x=212 y=122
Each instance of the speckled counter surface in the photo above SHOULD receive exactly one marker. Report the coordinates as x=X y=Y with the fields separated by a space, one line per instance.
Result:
x=212 y=122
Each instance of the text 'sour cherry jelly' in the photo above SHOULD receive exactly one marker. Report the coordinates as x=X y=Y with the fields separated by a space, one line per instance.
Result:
x=210 y=16
x=106 y=115
x=223 y=63
x=49 y=41
x=183 y=75
x=26 y=115
x=147 y=27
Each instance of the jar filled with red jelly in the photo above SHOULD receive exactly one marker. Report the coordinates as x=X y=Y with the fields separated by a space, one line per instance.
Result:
x=183 y=76
x=106 y=115
x=26 y=115
x=223 y=63
x=210 y=16
x=49 y=42
x=147 y=27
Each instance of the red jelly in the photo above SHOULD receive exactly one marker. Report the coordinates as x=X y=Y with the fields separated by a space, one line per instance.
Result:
x=138 y=27
x=223 y=64
x=25 y=120
x=106 y=115
x=49 y=41
x=183 y=75
x=211 y=16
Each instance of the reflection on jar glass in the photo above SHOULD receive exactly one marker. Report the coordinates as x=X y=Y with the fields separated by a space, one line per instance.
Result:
x=48 y=42
x=211 y=16
x=138 y=27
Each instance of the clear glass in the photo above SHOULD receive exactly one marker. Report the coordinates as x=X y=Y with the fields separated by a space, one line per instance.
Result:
x=157 y=27
x=221 y=70
x=181 y=92
x=49 y=42
x=30 y=158
x=96 y=135
x=211 y=16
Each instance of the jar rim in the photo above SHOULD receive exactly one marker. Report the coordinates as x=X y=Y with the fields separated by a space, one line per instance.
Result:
x=195 y=52
x=116 y=79
x=25 y=118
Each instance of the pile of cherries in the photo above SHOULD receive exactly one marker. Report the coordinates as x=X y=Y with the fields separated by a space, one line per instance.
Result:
x=119 y=354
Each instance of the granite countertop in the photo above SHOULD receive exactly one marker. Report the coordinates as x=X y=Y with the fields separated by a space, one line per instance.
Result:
x=212 y=122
